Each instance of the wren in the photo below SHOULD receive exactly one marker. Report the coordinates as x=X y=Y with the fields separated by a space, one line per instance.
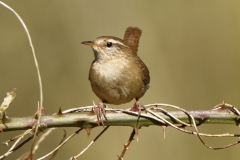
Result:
x=117 y=75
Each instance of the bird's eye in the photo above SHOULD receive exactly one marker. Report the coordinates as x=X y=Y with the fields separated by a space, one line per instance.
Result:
x=109 y=44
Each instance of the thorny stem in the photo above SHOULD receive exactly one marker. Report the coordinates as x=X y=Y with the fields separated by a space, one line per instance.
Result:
x=117 y=117
x=127 y=144
x=83 y=117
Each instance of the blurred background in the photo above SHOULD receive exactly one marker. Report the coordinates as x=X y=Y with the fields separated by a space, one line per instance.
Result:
x=190 y=47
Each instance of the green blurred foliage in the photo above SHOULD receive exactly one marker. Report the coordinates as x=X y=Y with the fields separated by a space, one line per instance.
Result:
x=190 y=47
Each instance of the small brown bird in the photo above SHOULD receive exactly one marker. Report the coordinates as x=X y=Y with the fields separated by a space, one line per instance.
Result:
x=117 y=74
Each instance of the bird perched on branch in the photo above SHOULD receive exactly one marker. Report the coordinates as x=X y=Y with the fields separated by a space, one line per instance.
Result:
x=117 y=74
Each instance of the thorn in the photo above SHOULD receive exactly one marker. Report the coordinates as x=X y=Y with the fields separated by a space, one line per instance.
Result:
x=201 y=117
x=60 y=111
x=88 y=132
x=164 y=131
x=43 y=111
x=36 y=115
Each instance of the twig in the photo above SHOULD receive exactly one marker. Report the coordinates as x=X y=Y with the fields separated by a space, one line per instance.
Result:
x=6 y=102
x=36 y=65
x=213 y=148
x=26 y=155
x=191 y=132
x=64 y=136
x=18 y=136
x=33 y=51
x=197 y=132
x=170 y=115
x=127 y=144
x=14 y=146
x=59 y=146
x=41 y=139
x=94 y=140
x=224 y=106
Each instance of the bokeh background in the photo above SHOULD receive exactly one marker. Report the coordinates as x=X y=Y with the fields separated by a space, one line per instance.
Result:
x=190 y=47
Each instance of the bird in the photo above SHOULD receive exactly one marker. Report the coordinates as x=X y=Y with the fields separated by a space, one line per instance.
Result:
x=117 y=74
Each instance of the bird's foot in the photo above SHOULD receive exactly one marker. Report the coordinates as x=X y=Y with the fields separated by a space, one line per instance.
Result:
x=137 y=107
x=101 y=113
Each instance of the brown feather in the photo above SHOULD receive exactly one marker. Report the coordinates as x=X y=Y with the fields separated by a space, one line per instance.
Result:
x=131 y=37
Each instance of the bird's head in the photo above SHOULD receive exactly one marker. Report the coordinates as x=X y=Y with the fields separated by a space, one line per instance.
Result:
x=107 y=47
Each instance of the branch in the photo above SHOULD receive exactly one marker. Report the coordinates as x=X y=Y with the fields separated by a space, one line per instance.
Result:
x=117 y=117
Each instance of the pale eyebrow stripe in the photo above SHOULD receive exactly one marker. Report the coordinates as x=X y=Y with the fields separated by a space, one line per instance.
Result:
x=114 y=41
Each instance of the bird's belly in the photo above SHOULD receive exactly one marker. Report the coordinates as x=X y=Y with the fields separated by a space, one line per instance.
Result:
x=114 y=85
x=112 y=94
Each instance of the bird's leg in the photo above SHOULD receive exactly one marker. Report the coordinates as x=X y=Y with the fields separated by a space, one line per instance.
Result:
x=100 y=111
x=137 y=107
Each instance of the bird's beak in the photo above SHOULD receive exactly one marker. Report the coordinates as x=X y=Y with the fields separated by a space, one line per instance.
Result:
x=90 y=43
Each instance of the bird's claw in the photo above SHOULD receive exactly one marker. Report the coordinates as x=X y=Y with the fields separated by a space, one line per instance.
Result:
x=137 y=107
x=101 y=113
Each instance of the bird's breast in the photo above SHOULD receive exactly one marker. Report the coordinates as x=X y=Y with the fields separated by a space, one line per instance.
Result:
x=109 y=72
x=114 y=81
